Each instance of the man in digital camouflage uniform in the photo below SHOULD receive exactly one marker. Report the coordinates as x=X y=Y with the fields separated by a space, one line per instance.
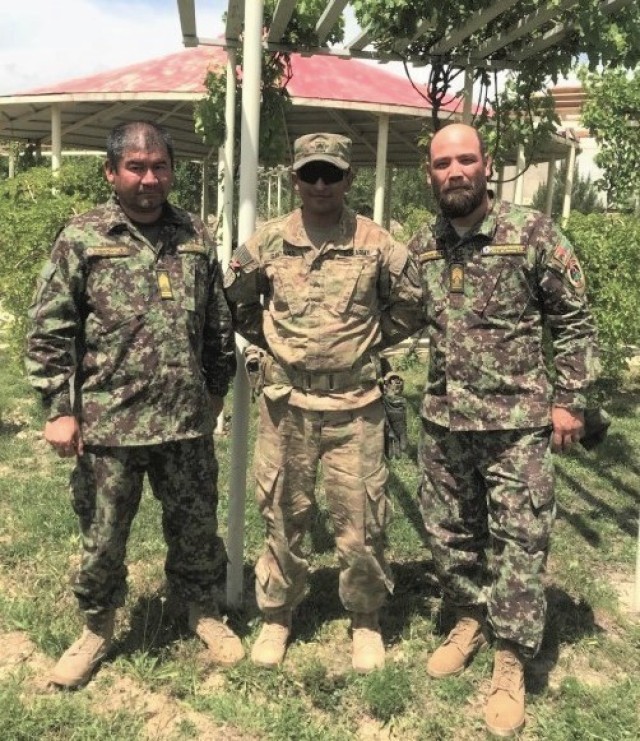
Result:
x=494 y=275
x=318 y=292
x=132 y=350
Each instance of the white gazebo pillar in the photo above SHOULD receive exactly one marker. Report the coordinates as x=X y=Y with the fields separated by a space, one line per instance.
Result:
x=467 y=102
x=279 y=196
x=249 y=144
x=56 y=138
x=228 y=160
x=381 y=167
x=551 y=184
x=12 y=165
x=519 y=185
x=205 y=206
x=500 y=183
x=568 y=185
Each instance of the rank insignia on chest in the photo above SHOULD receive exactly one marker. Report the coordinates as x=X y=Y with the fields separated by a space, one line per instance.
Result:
x=164 y=285
x=456 y=278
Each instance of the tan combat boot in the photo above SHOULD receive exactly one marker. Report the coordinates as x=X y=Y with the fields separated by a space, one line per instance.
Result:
x=459 y=647
x=224 y=646
x=271 y=645
x=78 y=662
x=368 y=649
x=504 y=714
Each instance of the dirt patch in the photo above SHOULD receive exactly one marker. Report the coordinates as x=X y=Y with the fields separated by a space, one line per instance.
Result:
x=163 y=716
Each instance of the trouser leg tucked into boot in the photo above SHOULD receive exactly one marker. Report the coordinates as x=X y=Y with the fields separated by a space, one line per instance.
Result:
x=368 y=649
x=504 y=714
x=224 y=645
x=78 y=662
x=459 y=647
x=271 y=645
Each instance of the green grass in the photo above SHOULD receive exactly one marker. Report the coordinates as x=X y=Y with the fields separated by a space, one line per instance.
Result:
x=157 y=683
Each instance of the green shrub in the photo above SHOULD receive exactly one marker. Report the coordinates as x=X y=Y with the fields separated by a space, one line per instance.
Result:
x=33 y=207
x=608 y=246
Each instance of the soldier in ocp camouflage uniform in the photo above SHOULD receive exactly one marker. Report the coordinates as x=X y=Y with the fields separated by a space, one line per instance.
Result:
x=494 y=276
x=318 y=292
x=132 y=351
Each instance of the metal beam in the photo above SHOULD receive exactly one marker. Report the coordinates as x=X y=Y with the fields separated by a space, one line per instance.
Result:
x=352 y=132
x=235 y=15
x=281 y=17
x=476 y=21
x=329 y=18
x=524 y=26
x=187 y=11
x=360 y=41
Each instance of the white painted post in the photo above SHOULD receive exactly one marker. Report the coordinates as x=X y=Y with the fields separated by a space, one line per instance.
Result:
x=468 y=96
x=251 y=70
x=56 y=138
x=12 y=165
x=568 y=185
x=551 y=182
x=636 y=591
x=381 y=167
x=279 y=198
x=500 y=183
x=269 y=188
x=204 y=205
x=519 y=187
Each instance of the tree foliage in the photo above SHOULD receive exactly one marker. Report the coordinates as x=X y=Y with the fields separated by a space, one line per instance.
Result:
x=33 y=207
x=608 y=248
x=612 y=114
x=523 y=112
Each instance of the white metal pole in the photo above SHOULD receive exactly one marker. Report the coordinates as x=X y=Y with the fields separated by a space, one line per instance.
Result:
x=381 y=167
x=551 y=183
x=519 y=186
x=12 y=165
x=568 y=185
x=56 y=138
x=269 y=190
x=636 y=591
x=228 y=160
x=249 y=137
x=279 y=199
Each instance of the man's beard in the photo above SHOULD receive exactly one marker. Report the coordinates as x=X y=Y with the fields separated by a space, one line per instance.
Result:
x=462 y=201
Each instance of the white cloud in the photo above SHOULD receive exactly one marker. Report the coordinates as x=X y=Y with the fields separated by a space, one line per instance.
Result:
x=43 y=42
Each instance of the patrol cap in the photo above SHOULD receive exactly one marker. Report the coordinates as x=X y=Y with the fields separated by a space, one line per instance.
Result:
x=332 y=148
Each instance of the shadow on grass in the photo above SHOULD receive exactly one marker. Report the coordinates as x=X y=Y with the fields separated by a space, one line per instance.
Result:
x=415 y=588
x=568 y=622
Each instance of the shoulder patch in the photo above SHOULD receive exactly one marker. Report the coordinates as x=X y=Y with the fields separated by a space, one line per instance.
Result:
x=575 y=275
x=560 y=258
x=116 y=250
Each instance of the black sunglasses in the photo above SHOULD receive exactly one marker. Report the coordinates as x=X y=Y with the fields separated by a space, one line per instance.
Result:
x=314 y=171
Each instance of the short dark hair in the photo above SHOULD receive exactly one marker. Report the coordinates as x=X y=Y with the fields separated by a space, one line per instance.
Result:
x=125 y=136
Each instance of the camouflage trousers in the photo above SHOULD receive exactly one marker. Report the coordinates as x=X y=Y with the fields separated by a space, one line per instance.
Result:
x=292 y=442
x=106 y=488
x=488 y=506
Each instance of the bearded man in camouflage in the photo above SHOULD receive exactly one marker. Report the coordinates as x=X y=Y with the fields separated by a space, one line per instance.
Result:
x=494 y=276
x=132 y=350
x=319 y=292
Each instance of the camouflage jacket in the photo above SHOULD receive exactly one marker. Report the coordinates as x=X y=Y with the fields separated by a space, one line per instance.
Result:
x=320 y=313
x=488 y=296
x=142 y=332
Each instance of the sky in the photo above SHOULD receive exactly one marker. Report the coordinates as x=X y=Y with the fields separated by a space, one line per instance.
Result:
x=45 y=41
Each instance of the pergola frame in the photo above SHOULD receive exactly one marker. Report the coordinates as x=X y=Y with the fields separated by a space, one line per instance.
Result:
x=513 y=47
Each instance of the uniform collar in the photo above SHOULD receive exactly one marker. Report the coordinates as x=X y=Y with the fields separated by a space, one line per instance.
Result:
x=443 y=228
x=341 y=234
x=117 y=220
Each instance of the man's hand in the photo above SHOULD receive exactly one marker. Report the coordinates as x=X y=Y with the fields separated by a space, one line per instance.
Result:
x=64 y=436
x=568 y=428
x=217 y=402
